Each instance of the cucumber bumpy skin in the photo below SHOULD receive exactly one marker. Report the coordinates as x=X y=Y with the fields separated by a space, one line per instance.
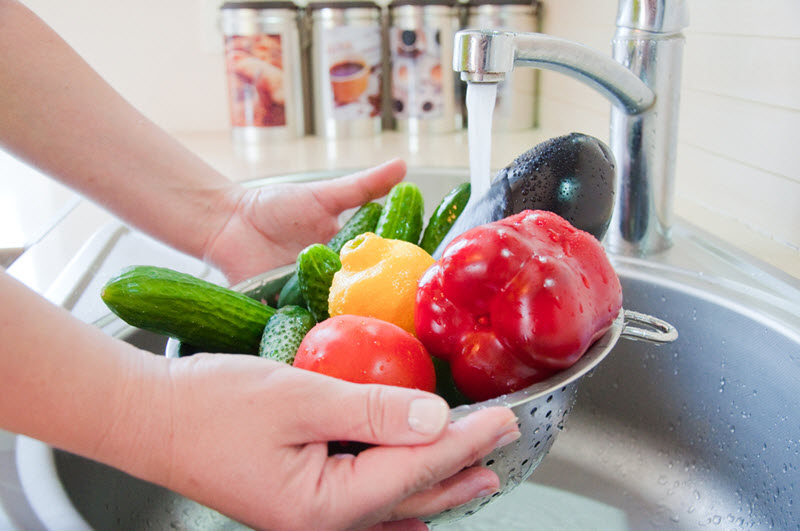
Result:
x=444 y=217
x=316 y=265
x=402 y=215
x=284 y=332
x=364 y=220
x=191 y=310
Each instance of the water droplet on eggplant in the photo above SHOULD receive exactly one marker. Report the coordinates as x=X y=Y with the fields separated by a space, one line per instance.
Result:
x=572 y=175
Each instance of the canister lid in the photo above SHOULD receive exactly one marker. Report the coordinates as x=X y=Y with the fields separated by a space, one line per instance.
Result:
x=396 y=3
x=532 y=3
x=259 y=5
x=342 y=5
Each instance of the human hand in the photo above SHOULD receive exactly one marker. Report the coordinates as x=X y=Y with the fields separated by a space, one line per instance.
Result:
x=270 y=225
x=248 y=437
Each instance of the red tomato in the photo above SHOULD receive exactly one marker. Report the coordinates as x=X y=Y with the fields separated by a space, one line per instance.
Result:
x=366 y=350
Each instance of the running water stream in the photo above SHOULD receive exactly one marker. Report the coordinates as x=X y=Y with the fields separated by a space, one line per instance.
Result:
x=480 y=107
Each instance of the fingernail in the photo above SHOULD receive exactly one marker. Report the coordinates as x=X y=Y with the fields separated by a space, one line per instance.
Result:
x=485 y=492
x=508 y=433
x=428 y=415
x=508 y=438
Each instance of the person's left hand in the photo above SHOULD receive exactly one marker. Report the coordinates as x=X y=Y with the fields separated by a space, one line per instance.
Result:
x=270 y=225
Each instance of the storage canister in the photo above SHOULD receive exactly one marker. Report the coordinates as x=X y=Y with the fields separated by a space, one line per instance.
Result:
x=425 y=92
x=346 y=68
x=262 y=62
x=516 y=95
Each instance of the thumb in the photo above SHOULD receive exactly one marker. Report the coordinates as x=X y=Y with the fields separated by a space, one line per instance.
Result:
x=371 y=413
x=354 y=190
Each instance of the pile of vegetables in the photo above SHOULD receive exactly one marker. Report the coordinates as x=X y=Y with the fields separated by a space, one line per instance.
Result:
x=518 y=292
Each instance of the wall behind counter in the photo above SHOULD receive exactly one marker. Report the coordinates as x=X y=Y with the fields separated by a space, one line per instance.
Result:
x=738 y=164
x=165 y=58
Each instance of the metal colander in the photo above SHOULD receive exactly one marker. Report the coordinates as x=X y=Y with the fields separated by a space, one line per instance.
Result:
x=541 y=409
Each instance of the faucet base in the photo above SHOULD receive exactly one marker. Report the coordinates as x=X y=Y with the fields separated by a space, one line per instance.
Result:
x=645 y=145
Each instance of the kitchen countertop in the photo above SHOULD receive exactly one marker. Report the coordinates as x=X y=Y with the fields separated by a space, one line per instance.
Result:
x=31 y=202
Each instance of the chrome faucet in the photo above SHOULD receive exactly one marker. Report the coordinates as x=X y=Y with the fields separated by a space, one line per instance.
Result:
x=642 y=80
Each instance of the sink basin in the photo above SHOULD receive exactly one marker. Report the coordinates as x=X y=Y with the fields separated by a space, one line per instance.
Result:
x=704 y=431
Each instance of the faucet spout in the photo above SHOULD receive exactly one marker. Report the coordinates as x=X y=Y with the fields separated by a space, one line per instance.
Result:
x=483 y=56
x=641 y=78
x=486 y=56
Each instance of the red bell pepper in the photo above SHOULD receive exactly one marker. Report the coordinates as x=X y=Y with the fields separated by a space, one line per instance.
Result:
x=514 y=301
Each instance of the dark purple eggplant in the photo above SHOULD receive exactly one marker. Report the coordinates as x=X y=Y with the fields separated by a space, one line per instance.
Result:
x=572 y=175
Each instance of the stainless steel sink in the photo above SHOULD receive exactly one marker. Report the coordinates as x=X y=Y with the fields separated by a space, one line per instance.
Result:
x=703 y=432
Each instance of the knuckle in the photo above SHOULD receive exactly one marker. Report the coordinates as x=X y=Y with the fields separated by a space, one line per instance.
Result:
x=426 y=476
x=377 y=416
x=473 y=452
x=474 y=456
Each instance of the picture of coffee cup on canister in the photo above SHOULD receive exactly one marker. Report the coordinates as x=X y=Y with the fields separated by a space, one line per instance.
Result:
x=350 y=72
x=349 y=79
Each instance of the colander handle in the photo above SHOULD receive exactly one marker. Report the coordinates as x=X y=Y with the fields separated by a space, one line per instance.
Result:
x=643 y=327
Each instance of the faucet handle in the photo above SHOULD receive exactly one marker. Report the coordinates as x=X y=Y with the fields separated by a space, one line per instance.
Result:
x=655 y=16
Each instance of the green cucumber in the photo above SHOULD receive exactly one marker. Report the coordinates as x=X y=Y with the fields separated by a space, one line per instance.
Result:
x=364 y=220
x=444 y=216
x=194 y=311
x=290 y=294
x=284 y=332
x=316 y=265
x=402 y=215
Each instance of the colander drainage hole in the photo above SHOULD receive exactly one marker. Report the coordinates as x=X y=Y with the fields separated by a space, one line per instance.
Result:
x=547 y=416
x=490 y=462
x=533 y=411
x=550 y=398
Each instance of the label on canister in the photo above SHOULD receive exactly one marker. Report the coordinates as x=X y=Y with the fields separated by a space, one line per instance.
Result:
x=352 y=56
x=255 y=72
x=417 y=88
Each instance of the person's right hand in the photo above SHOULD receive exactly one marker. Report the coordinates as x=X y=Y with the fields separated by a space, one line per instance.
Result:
x=249 y=438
